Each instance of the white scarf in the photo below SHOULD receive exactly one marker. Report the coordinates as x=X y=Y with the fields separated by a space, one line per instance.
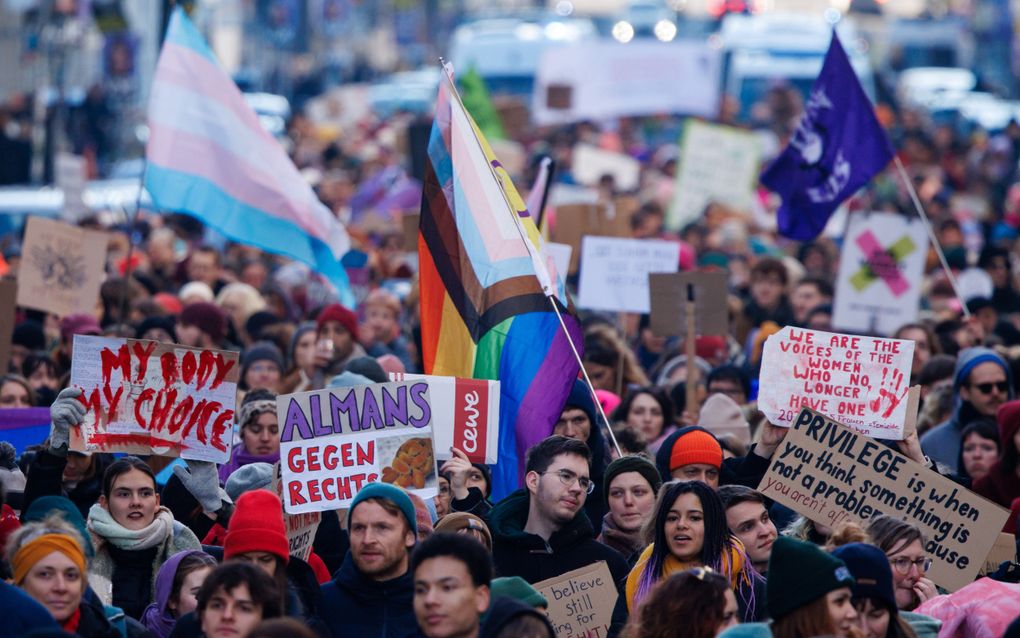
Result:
x=101 y=523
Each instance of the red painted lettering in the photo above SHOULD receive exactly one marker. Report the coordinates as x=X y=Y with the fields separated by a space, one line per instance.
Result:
x=145 y=396
x=188 y=366
x=142 y=353
x=294 y=488
x=168 y=363
x=111 y=361
x=219 y=427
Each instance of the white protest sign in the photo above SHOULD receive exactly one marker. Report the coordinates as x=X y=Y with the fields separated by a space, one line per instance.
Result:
x=589 y=163
x=717 y=164
x=614 y=272
x=881 y=268
x=596 y=80
x=465 y=415
x=150 y=397
x=581 y=602
x=333 y=442
x=561 y=254
x=301 y=528
x=862 y=382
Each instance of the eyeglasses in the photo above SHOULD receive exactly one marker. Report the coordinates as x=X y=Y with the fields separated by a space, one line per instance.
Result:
x=567 y=478
x=986 y=388
x=902 y=565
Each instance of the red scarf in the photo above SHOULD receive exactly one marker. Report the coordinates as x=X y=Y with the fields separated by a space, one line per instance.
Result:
x=71 y=624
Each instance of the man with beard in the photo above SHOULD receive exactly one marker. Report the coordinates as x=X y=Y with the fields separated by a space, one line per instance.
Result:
x=981 y=383
x=371 y=594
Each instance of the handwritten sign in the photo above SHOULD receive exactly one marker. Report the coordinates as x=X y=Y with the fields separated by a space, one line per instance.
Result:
x=614 y=272
x=668 y=294
x=717 y=164
x=465 y=415
x=881 y=268
x=150 y=397
x=301 y=528
x=61 y=267
x=861 y=382
x=335 y=441
x=590 y=163
x=580 y=602
x=830 y=474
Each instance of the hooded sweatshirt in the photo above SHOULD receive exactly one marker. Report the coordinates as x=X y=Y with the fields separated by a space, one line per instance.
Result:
x=580 y=399
x=942 y=443
x=742 y=470
x=355 y=605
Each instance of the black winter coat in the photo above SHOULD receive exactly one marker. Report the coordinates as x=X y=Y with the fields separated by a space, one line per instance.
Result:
x=356 y=606
x=741 y=470
x=46 y=478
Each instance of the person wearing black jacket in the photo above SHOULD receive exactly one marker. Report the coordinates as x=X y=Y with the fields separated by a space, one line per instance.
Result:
x=580 y=421
x=372 y=594
x=541 y=531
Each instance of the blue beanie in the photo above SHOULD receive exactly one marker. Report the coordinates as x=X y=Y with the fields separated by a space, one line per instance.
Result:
x=972 y=358
x=873 y=578
x=391 y=493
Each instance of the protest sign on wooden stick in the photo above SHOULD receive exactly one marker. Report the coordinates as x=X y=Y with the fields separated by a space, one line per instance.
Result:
x=831 y=474
x=150 y=397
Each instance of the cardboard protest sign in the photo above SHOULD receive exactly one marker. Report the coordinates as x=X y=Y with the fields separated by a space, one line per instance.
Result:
x=581 y=602
x=717 y=164
x=61 y=267
x=614 y=272
x=881 y=268
x=668 y=294
x=830 y=474
x=1004 y=549
x=335 y=441
x=301 y=528
x=8 y=294
x=576 y=221
x=862 y=382
x=465 y=415
x=409 y=225
x=150 y=397
x=590 y=163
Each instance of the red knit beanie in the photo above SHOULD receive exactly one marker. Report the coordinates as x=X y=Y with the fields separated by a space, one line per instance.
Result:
x=257 y=526
x=697 y=446
x=336 y=312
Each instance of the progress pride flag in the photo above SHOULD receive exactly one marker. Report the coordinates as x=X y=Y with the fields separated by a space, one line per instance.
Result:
x=465 y=415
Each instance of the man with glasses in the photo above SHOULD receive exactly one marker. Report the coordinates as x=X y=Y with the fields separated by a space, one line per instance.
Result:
x=981 y=383
x=541 y=531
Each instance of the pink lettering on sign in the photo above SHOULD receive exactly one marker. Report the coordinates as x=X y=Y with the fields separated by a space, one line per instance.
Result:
x=471 y=406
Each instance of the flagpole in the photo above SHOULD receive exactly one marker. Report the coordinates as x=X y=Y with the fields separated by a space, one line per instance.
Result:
x=548 y=164
x=931 y=234
x=549 y=294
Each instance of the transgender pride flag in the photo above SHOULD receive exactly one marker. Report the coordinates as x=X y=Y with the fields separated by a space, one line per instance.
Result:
x=208 y=157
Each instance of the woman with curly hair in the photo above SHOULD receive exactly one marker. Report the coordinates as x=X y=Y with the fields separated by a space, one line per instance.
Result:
x=700 y=596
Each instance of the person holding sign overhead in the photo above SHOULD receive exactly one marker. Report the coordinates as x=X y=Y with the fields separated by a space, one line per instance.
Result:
x=689 y=530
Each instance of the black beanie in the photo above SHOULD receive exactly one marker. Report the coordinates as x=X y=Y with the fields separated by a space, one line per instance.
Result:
x=30 y=335
x=632 y=463
x=799 y=574
x=580 y=398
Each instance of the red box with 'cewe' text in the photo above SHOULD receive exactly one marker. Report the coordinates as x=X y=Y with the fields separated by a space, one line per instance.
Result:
x=465 y=415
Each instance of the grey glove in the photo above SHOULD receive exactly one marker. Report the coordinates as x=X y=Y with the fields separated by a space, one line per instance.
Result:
x=66 y=411
x=201 y=479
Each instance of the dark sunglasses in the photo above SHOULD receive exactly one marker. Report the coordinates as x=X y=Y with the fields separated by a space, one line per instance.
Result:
x=986 y=388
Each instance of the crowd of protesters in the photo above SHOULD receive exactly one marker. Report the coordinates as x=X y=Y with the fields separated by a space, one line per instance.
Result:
x=112 y=545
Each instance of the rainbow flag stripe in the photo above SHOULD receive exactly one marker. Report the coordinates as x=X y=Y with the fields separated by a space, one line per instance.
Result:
x=485 y=312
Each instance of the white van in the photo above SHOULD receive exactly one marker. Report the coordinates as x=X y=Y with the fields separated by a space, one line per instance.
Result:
x=761 y=51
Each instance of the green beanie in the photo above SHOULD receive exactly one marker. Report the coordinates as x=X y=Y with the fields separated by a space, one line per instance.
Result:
x=519 y=589
x=633 y=463
x=391 y=493
x=799 y=574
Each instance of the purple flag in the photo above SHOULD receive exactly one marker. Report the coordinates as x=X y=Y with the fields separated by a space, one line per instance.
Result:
x=837 y=148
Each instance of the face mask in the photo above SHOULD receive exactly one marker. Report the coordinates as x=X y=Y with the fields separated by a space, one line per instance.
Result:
x=44 y=397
